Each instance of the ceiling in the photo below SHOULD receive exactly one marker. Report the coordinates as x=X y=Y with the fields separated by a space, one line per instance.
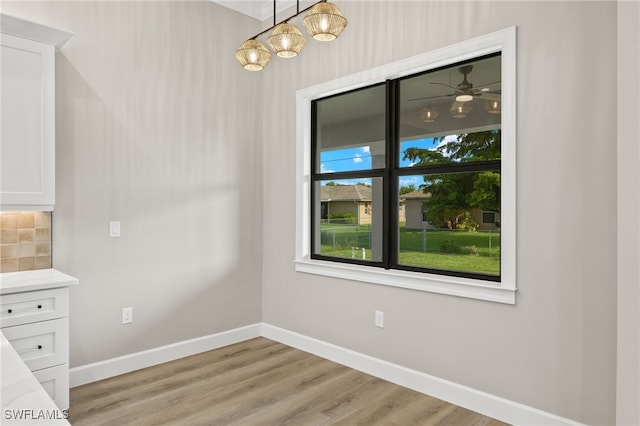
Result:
x=259 y=9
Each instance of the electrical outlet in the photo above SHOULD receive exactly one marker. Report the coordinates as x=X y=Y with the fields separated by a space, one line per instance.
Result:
x=380 y=319
x=127 y=315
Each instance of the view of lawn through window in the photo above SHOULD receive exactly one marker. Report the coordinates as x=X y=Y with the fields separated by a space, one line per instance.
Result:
x=435 y=207
x=436 y=248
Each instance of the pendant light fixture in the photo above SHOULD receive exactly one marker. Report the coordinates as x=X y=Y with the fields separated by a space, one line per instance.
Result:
x=460 y=109
x=429 y=114
x=252 y=55
x=286 y=40
x=493 y=106
x=324 y=22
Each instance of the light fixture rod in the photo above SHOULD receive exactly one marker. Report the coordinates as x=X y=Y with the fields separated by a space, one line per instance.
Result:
x=299 y=12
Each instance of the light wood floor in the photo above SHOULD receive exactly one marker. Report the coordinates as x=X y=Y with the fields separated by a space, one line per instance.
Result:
x=258 y=382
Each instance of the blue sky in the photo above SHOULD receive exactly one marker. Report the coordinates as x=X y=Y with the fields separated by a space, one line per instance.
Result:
x=353 y=159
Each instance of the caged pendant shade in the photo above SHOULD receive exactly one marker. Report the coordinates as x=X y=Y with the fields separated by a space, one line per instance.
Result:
x=286 y=40
x=429 y=114
x=324 y=22
x=252 y=55
x=493 y=106
x=460 y=109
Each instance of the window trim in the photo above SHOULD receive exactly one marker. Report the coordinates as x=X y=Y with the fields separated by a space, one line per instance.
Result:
x=504 y=291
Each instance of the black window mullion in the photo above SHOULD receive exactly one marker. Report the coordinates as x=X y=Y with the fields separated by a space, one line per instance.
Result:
x=390 y=227
x=357 y=174
x=314 y=161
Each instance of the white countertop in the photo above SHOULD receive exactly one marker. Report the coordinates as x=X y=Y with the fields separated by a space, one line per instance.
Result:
x=40 y=279
x=24 y=400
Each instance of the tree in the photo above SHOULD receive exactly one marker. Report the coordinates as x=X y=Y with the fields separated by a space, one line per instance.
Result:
x=453 y=195
x=473 y=146
x=407 y=189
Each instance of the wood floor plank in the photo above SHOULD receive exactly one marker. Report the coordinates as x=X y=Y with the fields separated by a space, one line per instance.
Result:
x=175 y=370
x=261 y=392
x=303 y=407
x=258 y=382
x=185 y=395
x=172 y=383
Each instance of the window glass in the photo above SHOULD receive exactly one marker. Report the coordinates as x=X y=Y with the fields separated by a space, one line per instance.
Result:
x=460 y=99
x=426 y=210
x=489 y=217
x=443 y=226
x=348 y=218
x=450 y=132
x=464 y=148
x=350 y=131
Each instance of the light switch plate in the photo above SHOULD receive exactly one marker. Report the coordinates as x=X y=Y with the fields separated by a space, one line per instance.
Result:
x=114 y=229
x=379 y=319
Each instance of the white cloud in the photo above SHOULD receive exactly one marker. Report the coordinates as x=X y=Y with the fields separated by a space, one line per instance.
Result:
x=366 y=149
x=411 y=180
x=323 y=169
x=357 y=158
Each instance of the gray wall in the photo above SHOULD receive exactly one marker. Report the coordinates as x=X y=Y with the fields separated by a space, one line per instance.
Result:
x=156 y=128
x=160 y=128
x=628 y=289
x=554 y=350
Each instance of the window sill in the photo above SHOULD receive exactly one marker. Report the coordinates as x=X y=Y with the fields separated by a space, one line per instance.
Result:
x=461 y=287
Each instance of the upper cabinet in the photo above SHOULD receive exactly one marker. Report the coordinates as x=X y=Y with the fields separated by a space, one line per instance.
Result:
x=27 y=144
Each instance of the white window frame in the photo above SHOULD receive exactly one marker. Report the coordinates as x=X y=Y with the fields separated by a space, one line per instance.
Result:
x=503 y=41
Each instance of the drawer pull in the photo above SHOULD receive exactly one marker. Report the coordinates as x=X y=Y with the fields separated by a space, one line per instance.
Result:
x=24 y=351
x=23 y=309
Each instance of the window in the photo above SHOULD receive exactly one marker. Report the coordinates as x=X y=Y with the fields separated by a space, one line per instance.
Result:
x=488 y=217
x=401 y=170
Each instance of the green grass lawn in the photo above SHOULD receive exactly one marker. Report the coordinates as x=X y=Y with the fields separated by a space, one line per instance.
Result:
x=477 y=252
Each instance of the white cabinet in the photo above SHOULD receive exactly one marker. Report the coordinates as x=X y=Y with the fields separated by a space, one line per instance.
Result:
x=27 y=89
x=35 y=320
x=27 y=156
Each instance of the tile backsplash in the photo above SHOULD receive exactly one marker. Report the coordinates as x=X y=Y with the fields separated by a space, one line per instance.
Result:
x=25 y=241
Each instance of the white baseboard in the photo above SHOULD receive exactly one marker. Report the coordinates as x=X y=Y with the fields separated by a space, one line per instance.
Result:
x=128 y=363
x=472 y=399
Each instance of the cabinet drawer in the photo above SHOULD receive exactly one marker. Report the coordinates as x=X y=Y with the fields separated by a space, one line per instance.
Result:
x=41 y=344
x=55 y=381
x=33 y=306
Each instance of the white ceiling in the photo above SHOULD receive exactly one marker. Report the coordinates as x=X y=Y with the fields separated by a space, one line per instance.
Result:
x=260 y=9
